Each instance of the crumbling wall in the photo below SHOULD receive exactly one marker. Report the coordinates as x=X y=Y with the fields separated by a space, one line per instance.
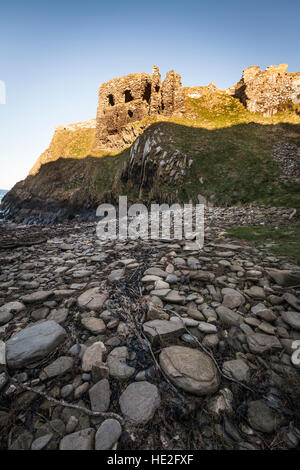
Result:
x=267 y=91
x=123 y=101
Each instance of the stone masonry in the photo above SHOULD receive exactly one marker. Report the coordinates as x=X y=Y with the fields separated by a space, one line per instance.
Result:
x=123 y=101
x=267 y=91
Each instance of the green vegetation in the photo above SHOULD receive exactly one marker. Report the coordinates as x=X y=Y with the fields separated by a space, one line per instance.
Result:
x=283 y=241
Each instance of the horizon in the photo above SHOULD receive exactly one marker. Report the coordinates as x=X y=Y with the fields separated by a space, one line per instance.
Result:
x=54 y=58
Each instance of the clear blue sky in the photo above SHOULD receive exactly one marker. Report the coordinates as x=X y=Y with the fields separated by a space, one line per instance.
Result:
x=54 y=55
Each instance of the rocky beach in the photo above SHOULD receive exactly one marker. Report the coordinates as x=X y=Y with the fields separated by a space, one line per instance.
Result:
x=149 y=344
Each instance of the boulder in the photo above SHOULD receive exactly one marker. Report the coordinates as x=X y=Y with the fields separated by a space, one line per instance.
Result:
x=190 y=369
x=33 y=343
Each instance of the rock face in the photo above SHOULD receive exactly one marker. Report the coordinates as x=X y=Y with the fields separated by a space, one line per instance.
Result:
x=190 y=369
x=33 y=343
x=131 y=98
x=267 y=91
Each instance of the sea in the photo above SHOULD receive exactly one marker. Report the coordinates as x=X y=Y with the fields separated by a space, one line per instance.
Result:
x=2 y=193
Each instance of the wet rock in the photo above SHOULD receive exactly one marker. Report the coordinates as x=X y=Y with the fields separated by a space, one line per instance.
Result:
x=139 y=402
x=190 y=369
x=107 y=434
x=80 y=440
x=33 y=343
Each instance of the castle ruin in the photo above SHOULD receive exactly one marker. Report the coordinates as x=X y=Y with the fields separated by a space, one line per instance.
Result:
x=122 y=101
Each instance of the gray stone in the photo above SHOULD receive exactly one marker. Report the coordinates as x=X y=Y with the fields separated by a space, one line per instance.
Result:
x=92 y=355
x=263 y=418
x=238 y=369
x=292 y=300
x=116 y=362
x=292 y=319
x=155 y=272
x=41 y=442
x=80 y=440
x=33 y=343
x=107 y=434
x=163 y=329
x=116 y=275
x=139 y=402
x=100 y=396
x=285 y=277
x=259 y=343
x=228 y=317
x=94 y=325
x=13 y=307
x=92 y=299
x=5 y=317
x=190 y=369
x=38 y=296
x=2 y=352
x=232 y=298
x=256 y=292
x=58 y=315
x=207 y=327
x=60 y=366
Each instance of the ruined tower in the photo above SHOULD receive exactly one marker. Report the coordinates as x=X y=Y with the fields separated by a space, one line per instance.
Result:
x=123 y=101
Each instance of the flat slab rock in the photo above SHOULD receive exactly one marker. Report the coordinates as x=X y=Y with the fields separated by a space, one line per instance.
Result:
x=292 y=319
x=92 y=299
x=36 y=296
x=156 y=329
x=139 y=402
x=259 y=343
x=33 y=343
x=190 y=369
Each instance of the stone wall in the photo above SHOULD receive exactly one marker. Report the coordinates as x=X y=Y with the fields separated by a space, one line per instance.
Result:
x=123 y=101
x=267 y=91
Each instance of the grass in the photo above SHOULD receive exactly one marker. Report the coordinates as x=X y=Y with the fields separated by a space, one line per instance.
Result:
x=283 y=241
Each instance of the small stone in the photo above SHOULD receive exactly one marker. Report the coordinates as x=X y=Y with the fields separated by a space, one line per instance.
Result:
x=292 y=319
x=41 y=442
x=139 y=402
x=100 y=396
x=99 y=371
x=256 y=292
x=92 y=355
x=92 y=299
x=207 y=327
x=116 y=275
x=229 y=317
x=60 y=366
x=238 y=369
x=107 y=434
x=94 y=325
x=36 y=297
x=80 y=440
x=259 y=343
x=5 y=317
x=232 y=298
x=13 y=307
x=263 y=418
x=71 y=424
x=116 y=362
x=163 y=329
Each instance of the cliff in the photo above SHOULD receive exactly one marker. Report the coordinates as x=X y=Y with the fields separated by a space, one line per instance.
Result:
x=157 y=141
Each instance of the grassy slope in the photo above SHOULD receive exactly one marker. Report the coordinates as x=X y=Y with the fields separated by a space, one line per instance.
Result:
x=230 y=148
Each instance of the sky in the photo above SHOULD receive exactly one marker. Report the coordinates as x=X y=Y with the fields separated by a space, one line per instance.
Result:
x=54 y=56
